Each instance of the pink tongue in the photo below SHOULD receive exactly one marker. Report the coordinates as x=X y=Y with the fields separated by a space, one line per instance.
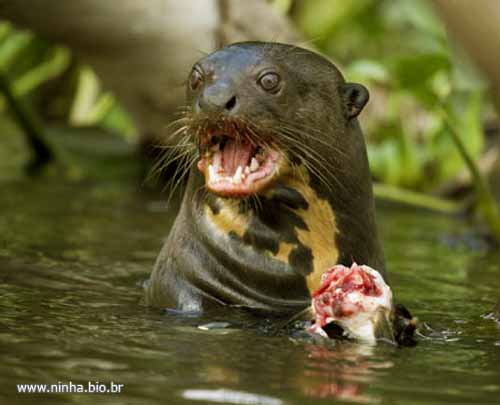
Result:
x=235 y=154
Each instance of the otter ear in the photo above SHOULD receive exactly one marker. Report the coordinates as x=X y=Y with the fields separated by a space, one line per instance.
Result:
x=355 y=98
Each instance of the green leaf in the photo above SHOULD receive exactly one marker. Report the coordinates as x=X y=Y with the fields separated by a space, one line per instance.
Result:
x=364 y=70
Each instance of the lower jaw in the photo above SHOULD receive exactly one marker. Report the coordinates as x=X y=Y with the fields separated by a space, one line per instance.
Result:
x=229 y=190
x=245 y=186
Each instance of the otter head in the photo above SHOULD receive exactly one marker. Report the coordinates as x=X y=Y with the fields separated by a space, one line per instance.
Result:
x=267 y=113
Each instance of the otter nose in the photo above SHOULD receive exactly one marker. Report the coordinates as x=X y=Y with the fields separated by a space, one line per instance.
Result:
x=218 y=98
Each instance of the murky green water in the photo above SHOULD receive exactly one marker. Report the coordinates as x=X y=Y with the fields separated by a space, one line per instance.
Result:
x=72 y=258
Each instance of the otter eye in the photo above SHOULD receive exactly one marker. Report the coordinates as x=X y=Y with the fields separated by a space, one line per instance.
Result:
x=269 y=81
x=195 y=79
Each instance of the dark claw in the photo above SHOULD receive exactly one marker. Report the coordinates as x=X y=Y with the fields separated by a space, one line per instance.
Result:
x=404 y=326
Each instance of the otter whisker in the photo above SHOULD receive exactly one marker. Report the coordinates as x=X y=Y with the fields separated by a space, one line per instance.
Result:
x=183 y=141
x=166 y=160
x=314 y=157
x=179 y=146
x=184 y=168
x=324 y=179
x=172 y=157
x=303 y=145
x=305 y=130
x=182 y=120
x=180 y=151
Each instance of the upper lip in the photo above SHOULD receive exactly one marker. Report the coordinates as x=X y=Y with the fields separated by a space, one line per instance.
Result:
x=216 y=135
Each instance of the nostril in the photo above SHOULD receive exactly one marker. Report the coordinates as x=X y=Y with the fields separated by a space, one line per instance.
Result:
x=231 y=103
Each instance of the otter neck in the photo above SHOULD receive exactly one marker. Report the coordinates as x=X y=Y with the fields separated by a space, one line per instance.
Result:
x=290 y=228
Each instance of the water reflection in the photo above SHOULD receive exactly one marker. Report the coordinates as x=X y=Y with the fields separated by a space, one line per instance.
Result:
x=308 y=367
x=343 y=372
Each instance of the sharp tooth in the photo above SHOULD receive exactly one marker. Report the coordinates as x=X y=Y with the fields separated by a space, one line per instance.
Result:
x=237 y=175
x=211 y=172
x=254 y=165
x=247 y=170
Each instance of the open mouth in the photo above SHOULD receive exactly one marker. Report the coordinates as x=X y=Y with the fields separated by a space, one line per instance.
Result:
x=234 y=165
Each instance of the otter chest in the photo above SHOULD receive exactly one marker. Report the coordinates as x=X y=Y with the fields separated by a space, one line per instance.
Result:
x=301 y=236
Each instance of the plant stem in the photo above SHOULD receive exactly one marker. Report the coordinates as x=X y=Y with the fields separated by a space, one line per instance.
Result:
x=486 y=203
x=32 y=130
x=396 y=194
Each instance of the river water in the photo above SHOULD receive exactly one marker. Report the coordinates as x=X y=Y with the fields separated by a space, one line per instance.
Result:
x=72 y=260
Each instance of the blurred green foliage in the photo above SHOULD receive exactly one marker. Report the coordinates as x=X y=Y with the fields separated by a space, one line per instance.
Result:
x=397 y=48
x=400 y=51
x=32 y=64
x=68 y=96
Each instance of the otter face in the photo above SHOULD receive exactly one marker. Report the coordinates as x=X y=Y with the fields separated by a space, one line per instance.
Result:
x=254 y=116
x=232 y=91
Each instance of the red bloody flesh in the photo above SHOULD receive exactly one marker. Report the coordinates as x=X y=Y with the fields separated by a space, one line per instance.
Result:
x=348 y=279
x=329 y=300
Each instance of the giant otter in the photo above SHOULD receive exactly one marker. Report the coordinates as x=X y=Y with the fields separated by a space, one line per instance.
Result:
x=281 y=188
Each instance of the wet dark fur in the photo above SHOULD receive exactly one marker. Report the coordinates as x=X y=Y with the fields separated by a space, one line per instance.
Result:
x=312 y=119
